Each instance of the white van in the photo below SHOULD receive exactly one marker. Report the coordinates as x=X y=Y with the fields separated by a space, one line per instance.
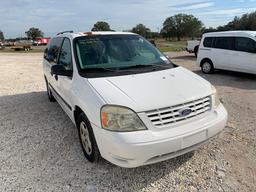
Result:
x=231 y=50
x=130 y=103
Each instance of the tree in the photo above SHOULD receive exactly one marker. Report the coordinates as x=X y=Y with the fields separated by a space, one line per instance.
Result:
x=34 y=33
x=245 y=22
x=141 y=30
x=153 y=35
x=182 y=25
x=101 y=26
x=1 y=36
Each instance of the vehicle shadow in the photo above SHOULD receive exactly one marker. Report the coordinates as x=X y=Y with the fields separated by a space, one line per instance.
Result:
x=221 y=77
x=230 y=79
x=184 y=57
x=38 y=142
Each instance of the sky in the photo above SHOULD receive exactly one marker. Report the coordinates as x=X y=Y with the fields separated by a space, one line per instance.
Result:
x=53 y=16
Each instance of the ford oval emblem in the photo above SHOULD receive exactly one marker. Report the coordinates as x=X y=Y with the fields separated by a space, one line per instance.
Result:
x=185 y=112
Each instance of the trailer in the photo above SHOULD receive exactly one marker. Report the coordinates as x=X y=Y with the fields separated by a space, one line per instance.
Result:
x=22 y=46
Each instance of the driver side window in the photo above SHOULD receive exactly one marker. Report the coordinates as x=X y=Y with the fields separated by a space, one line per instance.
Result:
x=65 y=56
x=245 y=44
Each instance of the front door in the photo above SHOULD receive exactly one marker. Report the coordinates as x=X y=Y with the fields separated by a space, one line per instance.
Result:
x=64 y=82
x=246 y=54
x=51 y=56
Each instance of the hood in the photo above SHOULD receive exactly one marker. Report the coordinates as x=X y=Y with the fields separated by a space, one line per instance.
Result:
x=149 y=91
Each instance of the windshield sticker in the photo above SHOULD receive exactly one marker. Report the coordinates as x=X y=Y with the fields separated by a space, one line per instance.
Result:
x=164 y=58
x=141 y=40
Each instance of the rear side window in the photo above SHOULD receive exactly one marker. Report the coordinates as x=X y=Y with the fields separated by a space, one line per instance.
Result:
x=65 y=56
x=245 y=44
x=224 y=43
x=52 y=51
x=208 y=41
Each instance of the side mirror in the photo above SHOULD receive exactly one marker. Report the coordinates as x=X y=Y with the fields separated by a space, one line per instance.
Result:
x=60 y=70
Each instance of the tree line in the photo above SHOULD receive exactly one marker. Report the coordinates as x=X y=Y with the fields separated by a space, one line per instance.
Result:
x=177 y=26
x=245 y=22
x=31 y=34
x=183 y=25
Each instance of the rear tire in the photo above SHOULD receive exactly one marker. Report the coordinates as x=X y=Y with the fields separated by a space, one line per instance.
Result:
x=196 y=50
x=49 y=92
x=207 y=67
x=87 y=139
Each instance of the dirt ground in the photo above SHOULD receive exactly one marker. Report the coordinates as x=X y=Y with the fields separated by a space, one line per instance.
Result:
x=40 y=150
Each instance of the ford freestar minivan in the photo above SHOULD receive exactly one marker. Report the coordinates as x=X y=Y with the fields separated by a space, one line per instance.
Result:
x=131 y=105
x=231 y=50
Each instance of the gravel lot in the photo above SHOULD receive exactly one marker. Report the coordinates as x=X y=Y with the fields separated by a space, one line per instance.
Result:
x=40 y=151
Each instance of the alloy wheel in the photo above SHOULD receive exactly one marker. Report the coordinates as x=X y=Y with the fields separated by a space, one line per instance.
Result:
x=85 y=138
x=207 y=67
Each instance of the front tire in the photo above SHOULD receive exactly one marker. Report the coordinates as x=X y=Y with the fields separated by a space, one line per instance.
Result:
x=87 y=139
x=207 y=67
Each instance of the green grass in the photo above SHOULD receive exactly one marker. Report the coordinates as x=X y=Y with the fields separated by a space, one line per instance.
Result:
x=162 y=45
x=170 y=46
x=169 y=49
x=35 y=49
x=12 y=51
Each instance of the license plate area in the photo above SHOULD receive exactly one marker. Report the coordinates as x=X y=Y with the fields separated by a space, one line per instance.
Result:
x=194 y=139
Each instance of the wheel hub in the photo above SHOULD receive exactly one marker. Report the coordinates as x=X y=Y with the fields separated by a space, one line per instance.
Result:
x=85 y=138
x=206 y=67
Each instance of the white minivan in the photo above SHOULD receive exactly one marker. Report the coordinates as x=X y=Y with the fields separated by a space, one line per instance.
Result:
x=131 y=104
x=231 y=50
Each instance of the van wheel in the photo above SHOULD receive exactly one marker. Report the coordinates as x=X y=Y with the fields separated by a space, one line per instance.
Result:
x=49 y=92
x=207 y=67
x=87 y=139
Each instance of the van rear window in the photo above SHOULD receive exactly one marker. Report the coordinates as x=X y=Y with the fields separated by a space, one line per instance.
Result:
x=208 y=41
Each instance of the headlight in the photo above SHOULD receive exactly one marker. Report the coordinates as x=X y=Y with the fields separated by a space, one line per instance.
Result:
x=121 y=119
x=216 y=99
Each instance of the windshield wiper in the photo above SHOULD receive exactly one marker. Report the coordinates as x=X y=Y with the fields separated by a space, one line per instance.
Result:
x=132 y=68
x=149 y=65
x=100 y=69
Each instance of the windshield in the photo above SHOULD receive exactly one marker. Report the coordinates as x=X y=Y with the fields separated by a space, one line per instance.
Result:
x=112 y=52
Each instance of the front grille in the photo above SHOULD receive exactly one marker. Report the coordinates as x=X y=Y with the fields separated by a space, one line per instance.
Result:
x=170 y=115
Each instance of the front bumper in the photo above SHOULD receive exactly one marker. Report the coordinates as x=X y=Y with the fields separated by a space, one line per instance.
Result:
x=133 y=149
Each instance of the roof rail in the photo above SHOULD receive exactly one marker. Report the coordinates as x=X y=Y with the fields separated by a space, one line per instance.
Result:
x=65 y=32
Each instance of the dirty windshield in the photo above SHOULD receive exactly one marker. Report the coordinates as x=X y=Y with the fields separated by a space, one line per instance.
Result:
x=117 y=52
